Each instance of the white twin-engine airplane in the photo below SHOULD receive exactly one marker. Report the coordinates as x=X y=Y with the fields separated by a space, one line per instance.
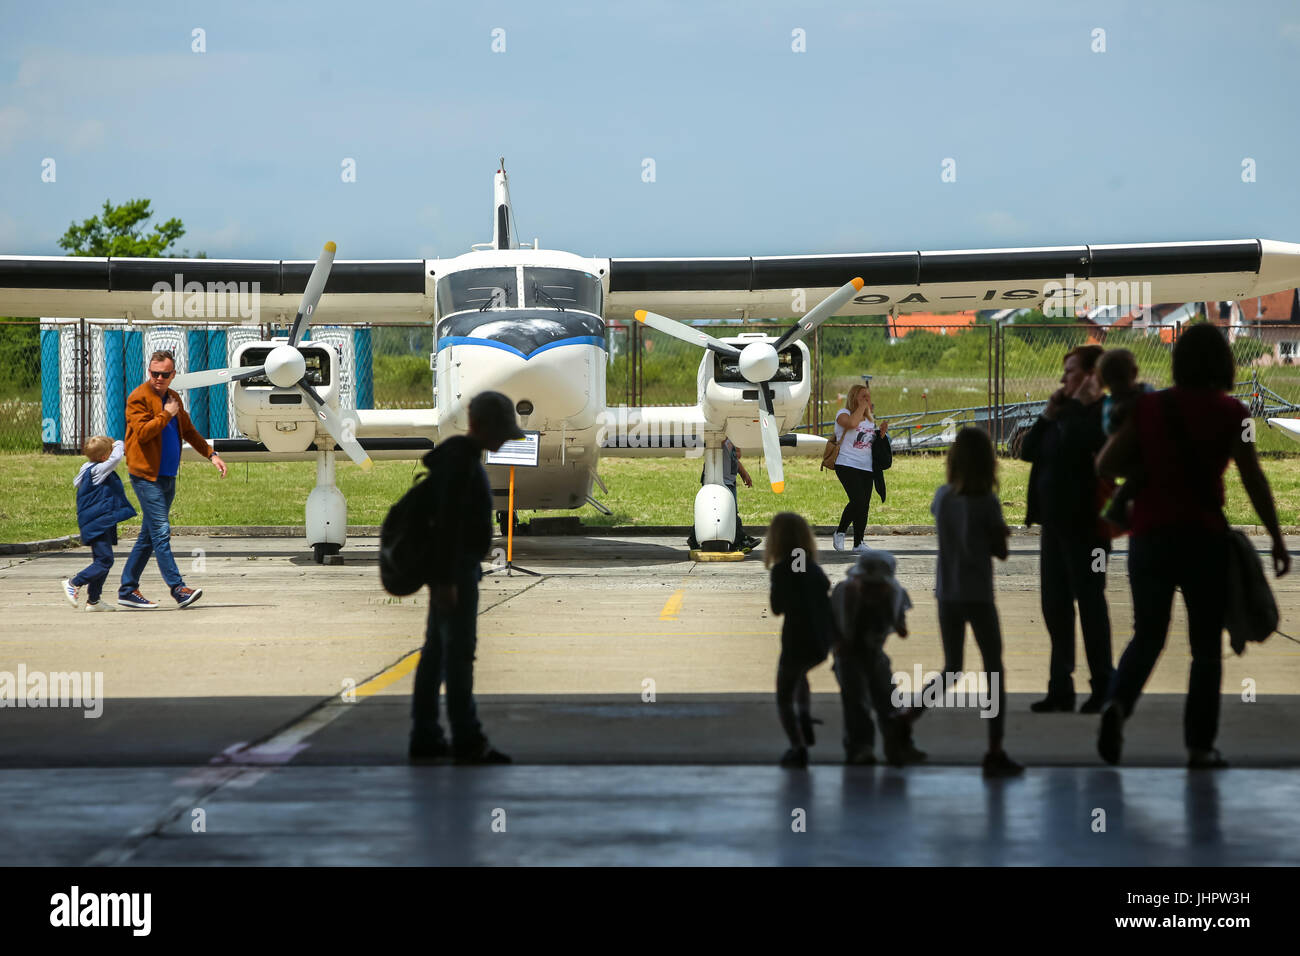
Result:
x=530 y=323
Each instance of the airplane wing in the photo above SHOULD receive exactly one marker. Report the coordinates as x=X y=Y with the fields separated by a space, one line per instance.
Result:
x=680 y=431
x=763 y=287
x=245 y=449
x=387 y=434
x=394 y=291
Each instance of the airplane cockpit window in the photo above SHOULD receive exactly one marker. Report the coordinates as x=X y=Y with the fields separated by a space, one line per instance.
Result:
x=482 y=289
x=726 y=369
x=561 y=289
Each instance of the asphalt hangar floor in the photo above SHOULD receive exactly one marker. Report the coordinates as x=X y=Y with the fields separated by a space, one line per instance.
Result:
x=267 y=725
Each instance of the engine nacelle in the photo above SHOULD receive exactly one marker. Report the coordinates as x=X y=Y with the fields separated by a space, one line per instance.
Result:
x=283 y=419
x=726 y=394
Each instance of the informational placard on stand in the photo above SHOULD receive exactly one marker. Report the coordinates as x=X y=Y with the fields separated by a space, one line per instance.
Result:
x=522 y=452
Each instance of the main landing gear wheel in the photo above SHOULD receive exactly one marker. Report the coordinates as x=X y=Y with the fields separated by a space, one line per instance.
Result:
x=320 y=551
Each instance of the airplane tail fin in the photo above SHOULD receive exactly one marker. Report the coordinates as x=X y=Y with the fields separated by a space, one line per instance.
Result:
x=502 y=227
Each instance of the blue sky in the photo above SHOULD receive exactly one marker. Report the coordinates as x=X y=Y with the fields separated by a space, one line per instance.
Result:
x=758 y=149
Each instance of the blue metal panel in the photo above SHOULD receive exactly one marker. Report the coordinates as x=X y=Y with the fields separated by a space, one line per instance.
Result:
x=51 y=416
x=114 y=395
x=218 y=401
x=196 y=347
x=364 y=375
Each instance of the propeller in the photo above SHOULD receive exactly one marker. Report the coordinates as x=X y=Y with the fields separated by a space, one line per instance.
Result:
x=285 y=366
x=758 y=363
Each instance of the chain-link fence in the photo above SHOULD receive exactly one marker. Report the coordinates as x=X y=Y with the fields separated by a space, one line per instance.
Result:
x=20 y=386
x=62 y=380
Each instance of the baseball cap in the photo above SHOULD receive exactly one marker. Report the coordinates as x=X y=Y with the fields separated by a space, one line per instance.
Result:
x=495 y=412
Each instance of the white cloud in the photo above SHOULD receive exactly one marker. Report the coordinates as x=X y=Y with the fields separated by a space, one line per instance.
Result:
x=225 y=242
x=12 y=122
x=85 y=134
x=1002 y=223
x=8 y=232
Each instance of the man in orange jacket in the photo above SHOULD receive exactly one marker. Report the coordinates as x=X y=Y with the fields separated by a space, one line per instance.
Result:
x=155 y=424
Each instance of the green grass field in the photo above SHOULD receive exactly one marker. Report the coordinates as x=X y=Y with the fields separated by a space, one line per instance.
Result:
x=36 y=496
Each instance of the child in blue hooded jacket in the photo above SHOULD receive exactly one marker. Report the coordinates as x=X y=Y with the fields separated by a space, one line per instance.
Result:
x=101 y=504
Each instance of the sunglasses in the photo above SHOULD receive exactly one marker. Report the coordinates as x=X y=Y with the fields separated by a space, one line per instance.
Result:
x=154 y=374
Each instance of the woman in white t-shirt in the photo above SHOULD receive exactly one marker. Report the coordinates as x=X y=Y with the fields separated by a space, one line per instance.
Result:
x=855 y=429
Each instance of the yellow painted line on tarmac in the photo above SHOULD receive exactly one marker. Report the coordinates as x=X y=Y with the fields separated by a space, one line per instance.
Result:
x=672 y=606
x=391 y=676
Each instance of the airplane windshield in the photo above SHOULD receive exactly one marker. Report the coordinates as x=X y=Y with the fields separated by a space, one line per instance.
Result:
x=481 y=289
x=561 y=289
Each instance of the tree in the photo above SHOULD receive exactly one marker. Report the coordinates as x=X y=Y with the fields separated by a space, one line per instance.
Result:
x=120 y=231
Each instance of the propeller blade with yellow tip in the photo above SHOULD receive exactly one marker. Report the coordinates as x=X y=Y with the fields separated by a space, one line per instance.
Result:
x=320 y=273
x=342 y=432
x=661 y=323
x=819 y=313
x=771 y=440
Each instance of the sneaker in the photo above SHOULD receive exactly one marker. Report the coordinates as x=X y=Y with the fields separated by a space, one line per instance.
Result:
x=70 y=591
x=96 y=605
x=186 y=596
x=1110 y=740
x=136 y=601
x=806 y=722
x=796 y=758
x=1000 y=765
x=1205 y=760
x=1051 y=705
x=837 y=539
x=486 y=755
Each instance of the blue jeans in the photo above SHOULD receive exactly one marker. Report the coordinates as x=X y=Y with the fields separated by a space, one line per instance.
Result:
x=450 y=641
x=101 y=560
x=155 y=534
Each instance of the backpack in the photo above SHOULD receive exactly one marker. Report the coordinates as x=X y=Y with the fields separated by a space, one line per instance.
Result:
x=406 y=539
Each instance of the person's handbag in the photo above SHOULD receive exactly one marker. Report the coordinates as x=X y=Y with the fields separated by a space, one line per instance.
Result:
x=1250 y=614
x=830 y=453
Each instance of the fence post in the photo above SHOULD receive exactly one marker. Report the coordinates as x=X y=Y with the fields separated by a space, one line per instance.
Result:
x=815 y=426
x=988 y=348
x=83 y=383
x=636 y=364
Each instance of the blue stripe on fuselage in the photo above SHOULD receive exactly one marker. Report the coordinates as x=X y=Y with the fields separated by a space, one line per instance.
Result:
x=449 y=340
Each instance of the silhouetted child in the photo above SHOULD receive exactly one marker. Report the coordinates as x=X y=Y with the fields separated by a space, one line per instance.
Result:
x=799 y=592
x=1117 y=370
x=868 y=606
x=968 y=518
x=101 y=504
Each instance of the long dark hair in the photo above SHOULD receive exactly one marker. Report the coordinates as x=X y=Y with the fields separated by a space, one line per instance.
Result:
x=787 y=532
x=972 y=465
x=1203 y=359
